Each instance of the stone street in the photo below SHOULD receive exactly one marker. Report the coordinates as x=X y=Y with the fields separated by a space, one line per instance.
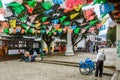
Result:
x=15 y=70
x=81 y=56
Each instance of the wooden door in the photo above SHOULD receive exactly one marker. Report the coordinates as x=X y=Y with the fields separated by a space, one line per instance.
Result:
x=5 y=47
x=1 y=51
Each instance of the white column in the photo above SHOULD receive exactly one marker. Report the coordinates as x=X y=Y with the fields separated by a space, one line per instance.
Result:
x=118 y=47
x=69 y=47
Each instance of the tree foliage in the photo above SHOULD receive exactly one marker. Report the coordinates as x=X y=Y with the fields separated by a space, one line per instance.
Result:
x=50 y=20
x=111 y=34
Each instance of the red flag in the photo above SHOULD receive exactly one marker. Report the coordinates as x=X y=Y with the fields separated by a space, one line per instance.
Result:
x=99 y=25
x=2 y=11
x=30 y=9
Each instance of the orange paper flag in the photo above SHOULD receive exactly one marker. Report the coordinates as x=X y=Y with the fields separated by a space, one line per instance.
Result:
x=22 y=31
x=14 y=31
x=57 y=26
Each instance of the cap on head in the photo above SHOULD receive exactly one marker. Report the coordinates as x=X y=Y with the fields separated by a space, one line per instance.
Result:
x=103 y=50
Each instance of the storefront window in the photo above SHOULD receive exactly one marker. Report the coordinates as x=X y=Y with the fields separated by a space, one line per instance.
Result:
x=35 y=45
x=10 y=44
x=22 y=44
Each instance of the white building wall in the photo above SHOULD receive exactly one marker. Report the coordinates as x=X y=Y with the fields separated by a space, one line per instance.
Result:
x=81 y=43
x=103 y=30
x=117 y=56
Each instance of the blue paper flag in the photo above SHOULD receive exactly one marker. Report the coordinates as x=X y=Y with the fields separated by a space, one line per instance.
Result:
x=48 y=11
x=17 y=30
x=106 y=8
x=43 y=31
x=73 y=27
x=55 y=21
x=57 y=1
x=59 y=32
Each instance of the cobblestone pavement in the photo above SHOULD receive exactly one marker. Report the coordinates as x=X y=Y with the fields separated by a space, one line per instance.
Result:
x=15 y=70
x=81 y=56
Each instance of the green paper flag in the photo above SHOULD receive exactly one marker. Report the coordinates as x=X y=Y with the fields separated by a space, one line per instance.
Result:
x=96 y=1
x=44 y=19
x=26 y=31
x=103 y=1
x=87 y=27
x=1 y=4
x=103 y=15
x=29 y=31
x=43 y=27
x=93 y=22
x=53 y=30
x=62 y=18
x=24 y=26
x=23 y=19
x=67 y=23
x=31 y=3
x=46 y=5
x=60 y=30
x=50 y=33
x=76 y=31
x=99 y=1
x=6 y=30
x=16 y=7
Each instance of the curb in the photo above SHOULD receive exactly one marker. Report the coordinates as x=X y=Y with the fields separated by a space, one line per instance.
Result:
x=38 y=59
x=74 y=64
x=115 y=75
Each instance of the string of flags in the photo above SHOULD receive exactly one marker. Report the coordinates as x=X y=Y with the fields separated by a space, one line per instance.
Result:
x=46 y=13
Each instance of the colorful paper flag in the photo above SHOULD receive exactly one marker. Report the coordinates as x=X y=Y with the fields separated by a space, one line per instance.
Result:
x=72 y=16
x=2 y=11
x=103 y=20
x=106 y=8
x=1 y=5
x=12 y=23
x=22 y=31
x=57 y=1
x=77 y=8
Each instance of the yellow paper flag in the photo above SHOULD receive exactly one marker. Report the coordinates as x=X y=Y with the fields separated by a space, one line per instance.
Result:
x=103 y=20
x=37 y=25
x=77 y=8
x=33 y=31
x=12 y=23
x=73 y=15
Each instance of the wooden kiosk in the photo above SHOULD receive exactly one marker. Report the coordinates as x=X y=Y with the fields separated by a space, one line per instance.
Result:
x=9 y=46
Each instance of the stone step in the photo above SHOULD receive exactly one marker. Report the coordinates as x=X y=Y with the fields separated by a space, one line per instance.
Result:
x=61 y=63
x=106 y=71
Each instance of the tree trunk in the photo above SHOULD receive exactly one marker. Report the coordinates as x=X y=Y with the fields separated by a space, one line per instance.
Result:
x=49 y=50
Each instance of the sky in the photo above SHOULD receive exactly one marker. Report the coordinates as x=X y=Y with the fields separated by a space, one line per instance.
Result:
x=4 y=2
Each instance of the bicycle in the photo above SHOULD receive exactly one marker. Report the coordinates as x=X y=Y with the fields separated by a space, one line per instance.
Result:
x=86 y=67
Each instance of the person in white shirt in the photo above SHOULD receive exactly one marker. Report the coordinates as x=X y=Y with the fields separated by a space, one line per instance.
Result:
x=101 y=57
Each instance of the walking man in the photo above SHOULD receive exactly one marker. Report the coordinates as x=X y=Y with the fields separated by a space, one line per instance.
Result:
x=96 y=49
x=101 y=57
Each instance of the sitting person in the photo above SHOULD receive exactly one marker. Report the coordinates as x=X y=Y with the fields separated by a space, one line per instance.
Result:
x=27 y=55
x=22 y=55
x=33 y=56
